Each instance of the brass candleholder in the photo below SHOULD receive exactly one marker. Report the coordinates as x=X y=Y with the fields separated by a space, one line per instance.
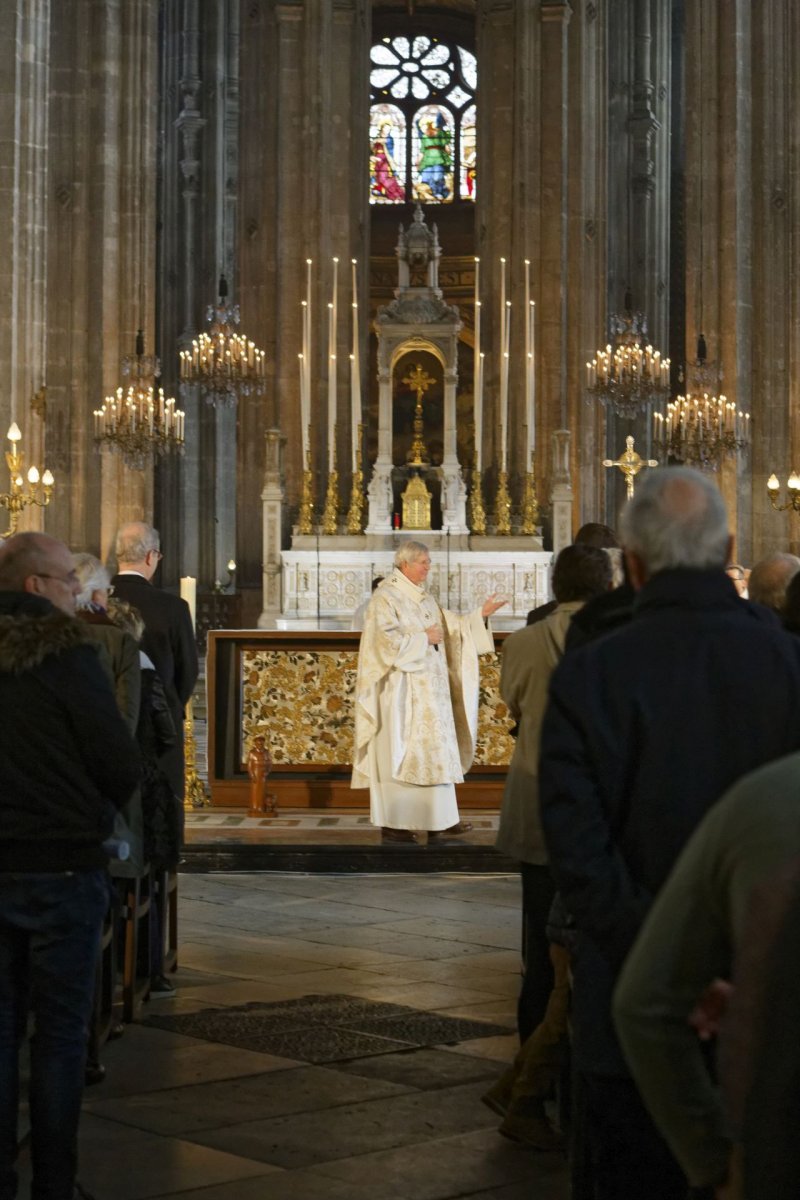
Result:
x=530 y=503
x=477 y=513
x=356 y=509
x=306 y=513
x=194 y=790
x=330 y=511
x=502 y=506
x=17 y=498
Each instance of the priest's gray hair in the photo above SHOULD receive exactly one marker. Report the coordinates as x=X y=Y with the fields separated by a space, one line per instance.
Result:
x=676 y=518
x=409 y=551
x=93 y=577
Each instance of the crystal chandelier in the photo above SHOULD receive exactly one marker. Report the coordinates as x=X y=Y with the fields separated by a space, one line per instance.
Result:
x=628 y=374
x=700 y=431
x=224 y=364
x=17 y=499
x=139 y=422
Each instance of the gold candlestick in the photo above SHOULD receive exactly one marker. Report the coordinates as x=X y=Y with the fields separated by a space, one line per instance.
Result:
x=304 y=517
x=530 y=503
x=477 y=514
x=357 y=494
x=330 y=512
x=502 y=506
x=194 y=790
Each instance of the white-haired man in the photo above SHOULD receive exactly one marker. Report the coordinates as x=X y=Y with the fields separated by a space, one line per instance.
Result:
x=416 y=701
x=645 y=730
x=168 y=638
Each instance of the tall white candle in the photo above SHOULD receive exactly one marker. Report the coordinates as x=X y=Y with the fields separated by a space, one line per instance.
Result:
x=528 y=361
x=532 y=367
x=504 y=388
x=477 y=398
x=501 y=342
x=189 y=594
x=332 y=369
x=355 y=375
x=479 y=413
x=307 y=362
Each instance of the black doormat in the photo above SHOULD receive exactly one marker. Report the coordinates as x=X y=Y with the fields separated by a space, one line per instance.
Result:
x=322 y=1029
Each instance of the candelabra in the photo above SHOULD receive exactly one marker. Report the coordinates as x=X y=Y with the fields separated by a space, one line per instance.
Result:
x=357 y=494
x=477 y=513
x=224 y=364
x=502 y=506
x=16 y=499
x=701 y=431
x=628 y=374
x=792 y=488
x=195 y=794
x=139 y=422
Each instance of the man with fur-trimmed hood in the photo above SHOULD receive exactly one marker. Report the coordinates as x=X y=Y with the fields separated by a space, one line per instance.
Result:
x=67 y=762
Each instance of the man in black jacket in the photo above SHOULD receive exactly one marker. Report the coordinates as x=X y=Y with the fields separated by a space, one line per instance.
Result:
x=645 y=730
x=67 y=762
x=168 y=638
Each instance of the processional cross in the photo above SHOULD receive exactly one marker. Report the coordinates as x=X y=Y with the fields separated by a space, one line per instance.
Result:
x=419 y=381
x=630 y=463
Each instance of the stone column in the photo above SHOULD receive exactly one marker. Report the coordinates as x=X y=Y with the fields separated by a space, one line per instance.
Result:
x=272 y=502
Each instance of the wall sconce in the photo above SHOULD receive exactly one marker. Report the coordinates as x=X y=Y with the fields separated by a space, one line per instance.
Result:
x=793 y=489
x=17 y=499
x=220 y=587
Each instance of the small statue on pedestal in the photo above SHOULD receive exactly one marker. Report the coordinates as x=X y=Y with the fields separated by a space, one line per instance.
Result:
x=259 y=765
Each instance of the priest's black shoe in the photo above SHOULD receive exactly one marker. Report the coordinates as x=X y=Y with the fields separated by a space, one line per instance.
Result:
x=398 y=835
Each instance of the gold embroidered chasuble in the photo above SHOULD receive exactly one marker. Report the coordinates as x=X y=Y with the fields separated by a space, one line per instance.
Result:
x=416 y=711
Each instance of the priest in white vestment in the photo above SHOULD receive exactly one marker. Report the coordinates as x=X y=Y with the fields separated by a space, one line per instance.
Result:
x=416 y=711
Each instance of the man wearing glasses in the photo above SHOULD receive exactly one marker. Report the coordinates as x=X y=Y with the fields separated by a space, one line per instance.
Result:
x=66 y=762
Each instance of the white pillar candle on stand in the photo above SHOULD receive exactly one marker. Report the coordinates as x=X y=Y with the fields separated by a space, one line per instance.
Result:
x=332 y=369
x=355 y=375
x=189 y=594
x=479 y=413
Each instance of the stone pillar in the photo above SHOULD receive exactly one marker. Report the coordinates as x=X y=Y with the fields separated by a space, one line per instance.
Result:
x=561 y=496
x=24 y=182
x=272 y=505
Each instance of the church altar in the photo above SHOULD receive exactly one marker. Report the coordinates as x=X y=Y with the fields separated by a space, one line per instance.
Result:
x=327 y=584
x=296 y=689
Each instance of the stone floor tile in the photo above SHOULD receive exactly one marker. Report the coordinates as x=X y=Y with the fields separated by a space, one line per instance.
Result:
x=499 y=1049
x=216 y=1105
x=422 y=1069
x=309 y=1139
x=127 y=1164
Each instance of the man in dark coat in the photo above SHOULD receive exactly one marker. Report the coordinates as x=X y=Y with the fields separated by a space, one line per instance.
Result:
x=168 y=635
x=67 y=762
x=645 y=730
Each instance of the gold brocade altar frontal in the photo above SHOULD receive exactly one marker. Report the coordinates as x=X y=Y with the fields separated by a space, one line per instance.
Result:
x=302 y=701
x=297 y=690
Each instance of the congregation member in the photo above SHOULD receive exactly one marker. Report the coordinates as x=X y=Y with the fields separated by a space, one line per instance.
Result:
x=646 y=728
x=168 y=638
x=416 y=703
x=739 y=576
x=769 y=580
x=67 y=762
x=593 y=533
x=580 y=573
x=724 y=903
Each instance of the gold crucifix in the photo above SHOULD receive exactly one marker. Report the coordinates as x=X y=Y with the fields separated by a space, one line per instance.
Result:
x=630 y=463
x=419 y=381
